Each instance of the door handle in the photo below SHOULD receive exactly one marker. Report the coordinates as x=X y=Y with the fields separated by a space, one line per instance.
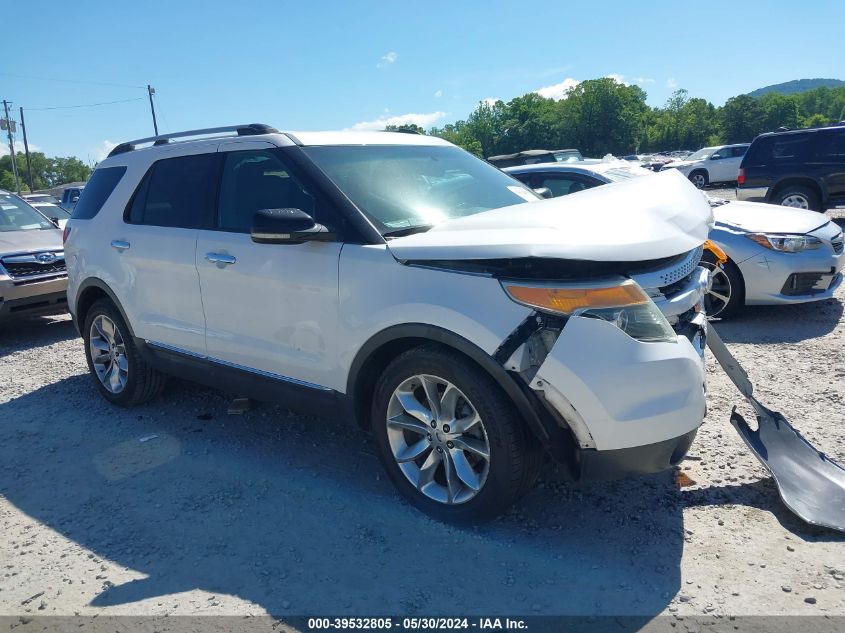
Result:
x=120 y=245
x=220 y=258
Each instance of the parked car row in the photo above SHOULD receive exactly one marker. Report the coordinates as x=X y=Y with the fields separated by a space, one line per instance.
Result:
x=774 y=255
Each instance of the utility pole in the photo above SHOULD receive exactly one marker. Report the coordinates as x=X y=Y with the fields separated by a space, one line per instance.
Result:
x=26 y=151
x=151 y=91
x=11 y=146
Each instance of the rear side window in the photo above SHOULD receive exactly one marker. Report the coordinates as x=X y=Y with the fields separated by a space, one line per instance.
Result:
x=776 y=149
x=831 y=145
x=176 y=192
x=96 y=192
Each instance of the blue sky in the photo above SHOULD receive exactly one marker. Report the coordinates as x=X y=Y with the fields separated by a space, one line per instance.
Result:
x=333 y=65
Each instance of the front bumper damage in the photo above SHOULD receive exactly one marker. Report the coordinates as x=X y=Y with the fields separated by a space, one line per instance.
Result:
x=627 y=404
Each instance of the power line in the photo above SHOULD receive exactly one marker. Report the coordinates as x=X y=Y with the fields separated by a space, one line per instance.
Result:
x=88 y=105
x=74 y=81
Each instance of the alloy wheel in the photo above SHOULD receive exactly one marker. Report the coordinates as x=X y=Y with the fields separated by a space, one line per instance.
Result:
x=719 y=291
x=797 y=200
x=108 y=354
x=698 y=180
x=438 y=439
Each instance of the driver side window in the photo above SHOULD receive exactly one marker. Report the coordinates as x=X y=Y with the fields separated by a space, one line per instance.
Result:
x=253 y=180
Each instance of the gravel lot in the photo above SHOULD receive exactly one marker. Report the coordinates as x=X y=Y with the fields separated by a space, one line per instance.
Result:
x=176 y=507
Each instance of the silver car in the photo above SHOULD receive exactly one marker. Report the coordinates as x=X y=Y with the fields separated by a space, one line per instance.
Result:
x=775 y=255
x=771 y=254
x=33 y=278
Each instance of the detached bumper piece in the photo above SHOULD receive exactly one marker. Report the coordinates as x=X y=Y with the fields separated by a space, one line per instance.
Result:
x=810 y=484
x=798 y=284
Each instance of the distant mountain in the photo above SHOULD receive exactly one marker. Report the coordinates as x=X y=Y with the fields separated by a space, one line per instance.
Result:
x=798 y=85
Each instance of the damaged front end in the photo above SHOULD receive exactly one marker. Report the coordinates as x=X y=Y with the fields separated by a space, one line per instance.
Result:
x=609 y=361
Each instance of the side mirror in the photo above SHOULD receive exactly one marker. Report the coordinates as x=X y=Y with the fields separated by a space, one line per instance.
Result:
x=715 y=157
x=544 y=192
x=287 y=226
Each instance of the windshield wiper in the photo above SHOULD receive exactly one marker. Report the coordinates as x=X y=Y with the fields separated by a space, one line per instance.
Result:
x=407 y=230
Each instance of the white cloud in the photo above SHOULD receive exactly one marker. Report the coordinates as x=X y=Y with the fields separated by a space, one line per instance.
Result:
x=102 y=150
x=620 y=79
x=424 y=120
x=4 y=146
x=490 y=101
x=387 y=59
x=558 y=91
x=671 y=83
x=644 y=80
x=438 y=94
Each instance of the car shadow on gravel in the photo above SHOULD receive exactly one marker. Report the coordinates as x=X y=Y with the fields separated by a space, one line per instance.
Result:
x=294 y=514
x=16 y=336
x=781 y=324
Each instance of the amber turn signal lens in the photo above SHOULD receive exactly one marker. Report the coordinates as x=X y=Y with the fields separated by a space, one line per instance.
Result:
x=568 y=300
x=721 y=256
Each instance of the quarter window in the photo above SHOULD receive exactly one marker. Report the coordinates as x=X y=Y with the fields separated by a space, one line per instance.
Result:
x=176 y=192
x=831 y=145
x=254 y=180
x=97 y=190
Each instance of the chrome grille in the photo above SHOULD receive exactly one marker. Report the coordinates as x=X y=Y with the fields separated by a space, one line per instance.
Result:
x=838 y=243
x=34 y=264
x=673 y=273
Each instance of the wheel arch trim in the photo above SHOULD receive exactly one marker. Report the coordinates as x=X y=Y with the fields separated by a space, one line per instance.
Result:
x=97 y=283
x=798 y=181
x=533 y=413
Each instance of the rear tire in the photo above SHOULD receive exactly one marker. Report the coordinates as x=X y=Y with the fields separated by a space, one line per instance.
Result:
x=513 y=458
x=122 y=376
x=727 y=292
x=798 y=197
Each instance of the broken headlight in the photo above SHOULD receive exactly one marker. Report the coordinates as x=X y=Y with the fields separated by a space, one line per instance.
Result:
x=624 y=304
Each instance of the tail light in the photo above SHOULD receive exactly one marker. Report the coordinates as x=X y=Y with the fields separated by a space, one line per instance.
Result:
x=740 y=177
x=66 y=234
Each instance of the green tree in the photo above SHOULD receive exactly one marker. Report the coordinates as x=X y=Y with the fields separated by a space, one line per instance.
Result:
x=69 y=169
x=742 y=119
x=405 y=127
x=816 y=120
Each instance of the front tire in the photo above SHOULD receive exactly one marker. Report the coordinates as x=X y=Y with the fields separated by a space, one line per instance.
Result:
x=120 y=373
x=726 y=294
x=699 y=178
x=450 y=439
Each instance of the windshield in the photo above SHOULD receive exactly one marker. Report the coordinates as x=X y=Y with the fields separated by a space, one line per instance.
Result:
x=17 y=215
x=414 y=186
x=618 y=174
x=568 y=156
x=52 y=210
x=701 y=154
x=41 y=197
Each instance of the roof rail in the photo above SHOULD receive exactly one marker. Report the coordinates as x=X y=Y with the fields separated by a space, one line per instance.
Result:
x=249 y=129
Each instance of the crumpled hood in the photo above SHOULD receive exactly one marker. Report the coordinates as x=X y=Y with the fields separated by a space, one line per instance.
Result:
x=757 y=217
x=680 y=164
x=25 y=241
x=639 y=219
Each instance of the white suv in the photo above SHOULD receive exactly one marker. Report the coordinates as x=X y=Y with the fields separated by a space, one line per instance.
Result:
x=711 y=164
x=396 y=279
